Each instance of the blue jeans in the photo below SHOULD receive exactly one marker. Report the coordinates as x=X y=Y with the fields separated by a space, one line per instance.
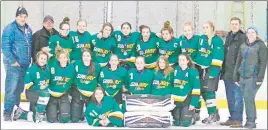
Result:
x=249 y=90
x=235 y=100
x=14 y=85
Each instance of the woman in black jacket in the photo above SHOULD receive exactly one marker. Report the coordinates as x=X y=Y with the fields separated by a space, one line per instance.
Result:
x=249 y=72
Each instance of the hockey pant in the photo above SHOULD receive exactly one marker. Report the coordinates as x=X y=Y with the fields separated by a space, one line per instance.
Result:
x=77 y=104
x=209 y=86
x=182 y=115
x=59 y=109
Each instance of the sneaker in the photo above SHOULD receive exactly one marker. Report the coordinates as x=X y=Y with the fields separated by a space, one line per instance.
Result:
x=17 y=113
x=7 y=117
x=250 y=125
x=236 y=124
x=227 y=123
x=211 y=119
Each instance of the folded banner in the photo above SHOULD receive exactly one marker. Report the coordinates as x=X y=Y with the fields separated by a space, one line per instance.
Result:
x=148 y=119
x=147 y=102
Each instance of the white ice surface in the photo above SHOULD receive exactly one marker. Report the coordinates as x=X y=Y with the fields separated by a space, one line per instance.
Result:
x=21 y=124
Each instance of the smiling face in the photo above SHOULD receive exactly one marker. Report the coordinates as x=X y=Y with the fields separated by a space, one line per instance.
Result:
x=188 y=32
x=99 y=95
x=63 y=59
x=86 y=57
x=252 y=36
x=114 y=61
x=235 y=26
x=48 y=24
x=162 y=64
x=183 y=62
x=81 y=26
x=42 y=60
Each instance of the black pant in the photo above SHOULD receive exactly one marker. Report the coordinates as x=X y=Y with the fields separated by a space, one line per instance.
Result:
x=59 y=108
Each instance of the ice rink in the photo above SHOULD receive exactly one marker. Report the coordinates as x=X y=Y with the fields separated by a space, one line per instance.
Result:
x=20 y=124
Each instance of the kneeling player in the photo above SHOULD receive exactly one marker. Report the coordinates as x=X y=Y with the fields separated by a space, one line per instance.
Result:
x=36 y=82
x=61 y=77
x=103 y=110
x=186 y=92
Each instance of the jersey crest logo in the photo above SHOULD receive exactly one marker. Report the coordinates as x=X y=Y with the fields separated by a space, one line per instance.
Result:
x=101 y=74
x=37 y=75
x=52 y=70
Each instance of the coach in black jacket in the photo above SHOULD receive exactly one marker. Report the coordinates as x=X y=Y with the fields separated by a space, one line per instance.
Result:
x=232 y=44
x=41 y=37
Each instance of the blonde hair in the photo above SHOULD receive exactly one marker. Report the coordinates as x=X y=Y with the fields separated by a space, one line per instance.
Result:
x=62 y=51
x=187 y=24
x=168 y=69
x=211 y=25
x=140 y=57
x=39 y=54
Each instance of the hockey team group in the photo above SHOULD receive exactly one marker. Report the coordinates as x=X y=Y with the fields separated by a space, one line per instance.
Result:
x=118 y=78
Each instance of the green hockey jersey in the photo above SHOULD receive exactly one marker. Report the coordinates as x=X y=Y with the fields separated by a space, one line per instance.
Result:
x=85 y=82
x=107 y=109
x=112 y=81
x=139 y=82
x=65 y=43
x=80 y=41
x=103 y=49
x=162 y=84
x=60 y=79
x=36 y=77
x=149 y=51
x=186 y=83
x=170 y=48
x=189 y=46
x=126 y=45
x=210 y=54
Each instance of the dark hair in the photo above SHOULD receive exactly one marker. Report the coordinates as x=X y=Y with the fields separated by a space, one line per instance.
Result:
x=236 y=18
x=64 y=21
x=126 y=23
x=93 y=97
x=107 y=24
x=190 y=63
x=143 y=27
x=167 y=27
x=168 y=69
x=39 y=54
x=91 y=66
